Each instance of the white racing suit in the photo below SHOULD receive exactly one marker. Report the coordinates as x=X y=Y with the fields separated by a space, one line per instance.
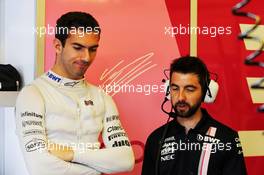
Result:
x=71 y=113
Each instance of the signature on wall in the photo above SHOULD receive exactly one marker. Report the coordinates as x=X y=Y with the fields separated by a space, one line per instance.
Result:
x=122 y=74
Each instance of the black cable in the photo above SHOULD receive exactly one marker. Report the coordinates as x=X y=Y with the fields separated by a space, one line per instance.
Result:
x=164 y=72
x=162 y=138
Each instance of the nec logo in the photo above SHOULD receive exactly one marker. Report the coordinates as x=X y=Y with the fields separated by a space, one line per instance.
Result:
x=53 y=77
x=207 y=139
x=167 y=157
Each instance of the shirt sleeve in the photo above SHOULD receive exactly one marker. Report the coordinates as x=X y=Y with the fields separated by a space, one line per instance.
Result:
x=117 y=156
x=148 y=166
x=235 y=162
x=30 y=129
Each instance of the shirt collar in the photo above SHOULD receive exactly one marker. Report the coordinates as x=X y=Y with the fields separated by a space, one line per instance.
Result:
x=203 y=123
x=201 y=126
x=62 y=81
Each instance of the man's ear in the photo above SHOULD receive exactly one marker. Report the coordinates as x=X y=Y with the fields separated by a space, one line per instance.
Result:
x=57 y=46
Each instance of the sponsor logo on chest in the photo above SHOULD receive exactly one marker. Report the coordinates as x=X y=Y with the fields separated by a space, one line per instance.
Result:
x=207 y=139
x=53 y=77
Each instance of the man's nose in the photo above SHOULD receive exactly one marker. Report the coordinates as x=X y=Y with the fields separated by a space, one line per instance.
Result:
x=182 y=96
x=85 y=55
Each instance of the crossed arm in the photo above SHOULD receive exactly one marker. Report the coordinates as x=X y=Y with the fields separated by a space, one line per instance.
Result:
x=66 y=160
x=62 y=152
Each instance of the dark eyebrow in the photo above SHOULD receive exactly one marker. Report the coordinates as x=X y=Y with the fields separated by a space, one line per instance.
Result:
x=77 y=44
x=174 y=85
x=80 y=45
x=93 y=47
x=190 y=86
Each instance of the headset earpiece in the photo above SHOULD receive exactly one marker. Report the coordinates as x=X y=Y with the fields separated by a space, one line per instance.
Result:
x=211 y=92
x=167 y=88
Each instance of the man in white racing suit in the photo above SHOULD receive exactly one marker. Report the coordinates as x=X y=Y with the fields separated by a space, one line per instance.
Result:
x=60 y=117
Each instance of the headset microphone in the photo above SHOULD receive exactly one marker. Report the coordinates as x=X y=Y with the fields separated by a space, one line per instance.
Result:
x=170 y=114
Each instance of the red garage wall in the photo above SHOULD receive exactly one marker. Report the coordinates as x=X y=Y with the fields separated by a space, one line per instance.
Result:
x=135 y=48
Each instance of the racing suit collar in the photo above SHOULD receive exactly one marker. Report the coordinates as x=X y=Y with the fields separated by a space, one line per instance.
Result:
x=62 y=81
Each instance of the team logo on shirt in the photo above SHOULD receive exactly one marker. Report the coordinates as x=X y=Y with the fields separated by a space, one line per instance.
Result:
x=112 y=118
x=172 y=138
x=72 y=84
x=208 y=139
x=116 y=135
x=33 y=132
x=31 y=114
x=121 y=143
x=53 y=77
x=31 y=122
x=34 y=145
x=238 y=145
x=88 y=102
x=114 y=128
x=167 y=151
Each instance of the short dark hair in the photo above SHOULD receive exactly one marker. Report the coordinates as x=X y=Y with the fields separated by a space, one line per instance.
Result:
x=190 y=64
x=75 y=20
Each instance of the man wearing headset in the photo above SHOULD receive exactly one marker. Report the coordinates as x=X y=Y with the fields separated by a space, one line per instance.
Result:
x=60 y=116
x=193 y=143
